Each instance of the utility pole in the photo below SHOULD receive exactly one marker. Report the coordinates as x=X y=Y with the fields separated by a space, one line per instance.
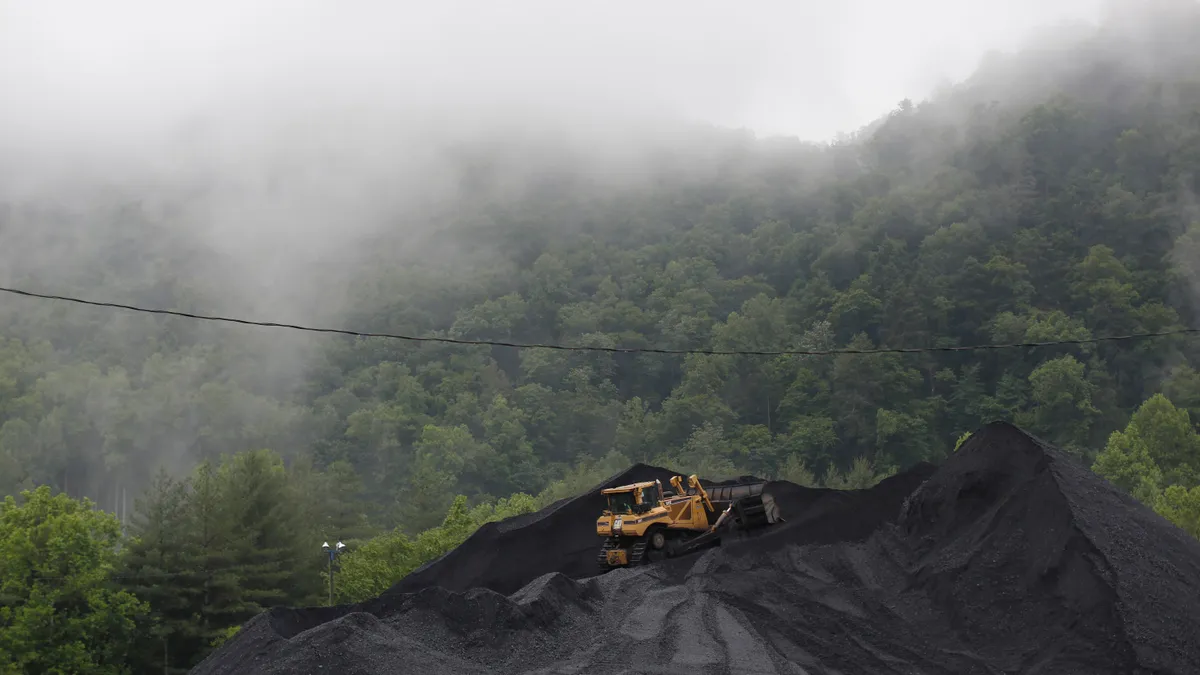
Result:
x=332 y=551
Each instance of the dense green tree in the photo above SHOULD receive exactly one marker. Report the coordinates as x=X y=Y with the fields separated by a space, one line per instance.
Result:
x=366 y=571
x=59 y=612
x=1156 y=459
x=236 y=537
x=163 y=566
x=1181 y=506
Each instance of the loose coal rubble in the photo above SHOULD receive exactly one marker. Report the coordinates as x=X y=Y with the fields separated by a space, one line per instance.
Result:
x=1008 y=558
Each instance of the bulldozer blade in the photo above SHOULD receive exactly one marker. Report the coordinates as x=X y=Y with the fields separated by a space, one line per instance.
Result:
x=730 y=493
x=756 y=511
x=752 y=505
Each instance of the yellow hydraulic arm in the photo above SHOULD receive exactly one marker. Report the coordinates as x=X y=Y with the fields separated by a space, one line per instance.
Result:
x=677 y=483
x=694 y=482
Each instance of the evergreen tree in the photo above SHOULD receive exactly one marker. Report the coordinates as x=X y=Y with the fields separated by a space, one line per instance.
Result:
x=163 y=568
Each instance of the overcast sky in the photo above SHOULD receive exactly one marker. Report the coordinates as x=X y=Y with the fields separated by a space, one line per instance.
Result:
x=799 y=67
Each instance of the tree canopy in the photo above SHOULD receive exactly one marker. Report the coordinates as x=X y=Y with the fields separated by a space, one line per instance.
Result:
x=59 y=612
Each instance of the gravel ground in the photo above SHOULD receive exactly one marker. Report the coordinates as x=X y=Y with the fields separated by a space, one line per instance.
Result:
x=1006 y=559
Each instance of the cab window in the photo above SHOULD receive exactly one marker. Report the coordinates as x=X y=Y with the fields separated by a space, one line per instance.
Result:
x=621 y=502
x=650 y=496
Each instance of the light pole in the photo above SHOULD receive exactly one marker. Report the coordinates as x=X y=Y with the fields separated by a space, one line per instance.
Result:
x=332 y=551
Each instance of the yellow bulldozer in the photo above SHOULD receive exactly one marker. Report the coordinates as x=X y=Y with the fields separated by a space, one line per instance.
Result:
x=642 y=523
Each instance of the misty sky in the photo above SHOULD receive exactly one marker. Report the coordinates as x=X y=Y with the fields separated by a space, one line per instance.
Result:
x=86 y=69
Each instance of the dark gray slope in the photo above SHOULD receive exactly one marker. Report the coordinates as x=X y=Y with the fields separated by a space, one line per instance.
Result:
x=1007 y=559
x=506 y=555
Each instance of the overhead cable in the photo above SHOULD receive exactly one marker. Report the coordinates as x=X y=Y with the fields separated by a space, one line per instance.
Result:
x=616 y=350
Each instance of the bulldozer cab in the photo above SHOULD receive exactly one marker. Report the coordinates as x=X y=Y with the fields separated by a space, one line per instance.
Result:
x=635 y=498
x=622 y=502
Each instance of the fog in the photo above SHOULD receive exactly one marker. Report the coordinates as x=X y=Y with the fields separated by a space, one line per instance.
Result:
x=809 y=69
x=250 y=152
x=273 y=139
x=303 y=118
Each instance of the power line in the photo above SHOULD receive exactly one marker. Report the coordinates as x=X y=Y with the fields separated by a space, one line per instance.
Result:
x=616 y=350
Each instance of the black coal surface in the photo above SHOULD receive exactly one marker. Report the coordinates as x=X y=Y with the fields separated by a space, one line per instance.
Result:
x=1008 y=558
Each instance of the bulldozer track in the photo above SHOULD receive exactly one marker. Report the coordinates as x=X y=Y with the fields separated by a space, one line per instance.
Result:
x=637 y=553
x=602 y=558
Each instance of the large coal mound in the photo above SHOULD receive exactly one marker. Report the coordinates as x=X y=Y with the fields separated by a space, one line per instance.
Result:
x=1008 y=558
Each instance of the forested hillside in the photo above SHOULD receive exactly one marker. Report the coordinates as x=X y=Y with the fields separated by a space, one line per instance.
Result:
x=1051 y=197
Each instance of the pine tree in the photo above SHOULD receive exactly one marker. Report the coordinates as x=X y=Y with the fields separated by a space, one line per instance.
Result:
x=163 y=567
x=220 y=602
x=266 y=535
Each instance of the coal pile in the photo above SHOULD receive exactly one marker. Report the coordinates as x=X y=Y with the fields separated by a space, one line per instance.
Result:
x=505 y=556
x=1008 y=558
